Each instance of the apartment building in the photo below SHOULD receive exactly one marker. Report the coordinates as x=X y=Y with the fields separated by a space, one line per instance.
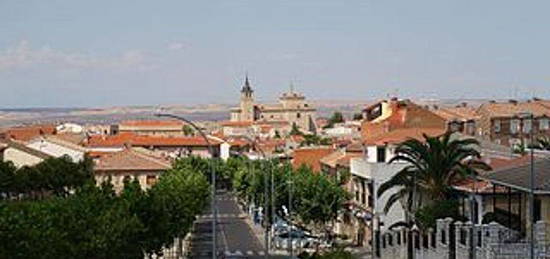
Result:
x=510 y=123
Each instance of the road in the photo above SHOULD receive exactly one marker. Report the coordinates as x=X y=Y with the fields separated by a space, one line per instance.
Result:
x=235 y=237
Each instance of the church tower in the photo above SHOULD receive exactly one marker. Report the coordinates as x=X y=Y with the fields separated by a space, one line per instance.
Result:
x=247 y=102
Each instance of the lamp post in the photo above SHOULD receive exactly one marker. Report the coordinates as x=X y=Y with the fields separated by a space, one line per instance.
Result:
x=266 y=201
x=530 y=116
x=212 y=175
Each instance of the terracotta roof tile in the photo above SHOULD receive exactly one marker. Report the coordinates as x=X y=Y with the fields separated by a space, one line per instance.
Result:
x=144 y=140
x=401 y=135
x=513 y=109
x=149 y=123
x=237 y=123
x=310 y=157
x=29 y=132
x=129 y=160
x=457 y=113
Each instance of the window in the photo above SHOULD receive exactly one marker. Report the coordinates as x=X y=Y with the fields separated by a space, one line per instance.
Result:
x=496 y=125
x=543 y=123
x=537 y=210
x=298 y=115
x=151 y=179
x=514 y=126
x=527 y=125
x=381 y=154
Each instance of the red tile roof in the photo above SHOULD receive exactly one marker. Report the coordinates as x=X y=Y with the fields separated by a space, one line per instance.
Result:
x=144 y=140
x=511 y=109
x=339 y=158
x=404 y=116
x=237 y=123
x=29 y=132
x=457 y=113
x=149 y=123
x=129 y=160
x=401 y=135
x=310 y=157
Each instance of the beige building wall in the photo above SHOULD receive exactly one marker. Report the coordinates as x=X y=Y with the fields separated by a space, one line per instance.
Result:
x=20 y=158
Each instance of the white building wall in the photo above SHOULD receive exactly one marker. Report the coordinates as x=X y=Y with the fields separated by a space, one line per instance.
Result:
x=56 y=150
x=20 y=158
x=378 y=173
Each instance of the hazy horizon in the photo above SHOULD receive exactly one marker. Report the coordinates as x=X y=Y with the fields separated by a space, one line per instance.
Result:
x=102 y=53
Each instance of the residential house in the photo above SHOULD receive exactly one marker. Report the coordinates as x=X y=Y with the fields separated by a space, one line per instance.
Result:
x=387 y=124
x=462 y=118
x=506 y=123
x=151 y=127
x=167 y=146
x=127 y=165
x=352 y=223
x=21 y=155
x=516 y=180
x=57 y=147
x=26 y=133
x=310 y=156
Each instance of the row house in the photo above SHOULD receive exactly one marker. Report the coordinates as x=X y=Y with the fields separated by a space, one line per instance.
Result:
x=150 y=127
x=387 y=124
x=508 y=123
x=164 y=146
x=462 y=118
x=27 y=133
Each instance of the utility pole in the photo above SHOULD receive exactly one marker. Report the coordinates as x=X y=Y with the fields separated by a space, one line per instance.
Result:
x=266 y=219
x=531 y=117
x=290 y=214
x=273 y=197
x=212 y=175
x=532 y=192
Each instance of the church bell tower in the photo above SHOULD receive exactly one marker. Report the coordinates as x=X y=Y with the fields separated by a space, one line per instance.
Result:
x=247 y=101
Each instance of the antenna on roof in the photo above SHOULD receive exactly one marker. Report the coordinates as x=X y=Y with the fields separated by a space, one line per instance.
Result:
x=291 y=86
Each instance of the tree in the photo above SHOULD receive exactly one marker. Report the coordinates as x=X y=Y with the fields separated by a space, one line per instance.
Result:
x=92 y=221
x=337 y=117
x=434 y=164
x=188 y=130
x=295 y=130
x=357 y=116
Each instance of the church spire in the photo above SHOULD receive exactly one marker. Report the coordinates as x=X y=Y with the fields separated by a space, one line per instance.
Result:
x=246 y=87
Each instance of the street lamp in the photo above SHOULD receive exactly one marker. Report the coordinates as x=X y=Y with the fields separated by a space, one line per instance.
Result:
x=266 y=202
x=530 y=116
x=212 y=173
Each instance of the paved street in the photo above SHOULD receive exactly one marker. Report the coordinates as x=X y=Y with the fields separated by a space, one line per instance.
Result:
x=235 y=238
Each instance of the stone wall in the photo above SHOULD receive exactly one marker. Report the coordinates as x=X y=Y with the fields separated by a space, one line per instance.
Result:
x=454 y=241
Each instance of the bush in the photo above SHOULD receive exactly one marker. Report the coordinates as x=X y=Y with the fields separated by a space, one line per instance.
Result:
x=426 y=216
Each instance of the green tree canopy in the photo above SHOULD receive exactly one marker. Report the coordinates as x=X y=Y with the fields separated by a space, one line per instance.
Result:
x=433 y=165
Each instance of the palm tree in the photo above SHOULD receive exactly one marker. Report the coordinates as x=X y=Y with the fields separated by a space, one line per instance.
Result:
x=434 y=164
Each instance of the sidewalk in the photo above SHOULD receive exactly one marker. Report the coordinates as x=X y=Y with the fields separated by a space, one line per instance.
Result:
x=259 y=232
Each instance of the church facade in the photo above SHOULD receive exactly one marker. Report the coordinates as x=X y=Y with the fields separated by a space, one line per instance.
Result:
x=292 y=108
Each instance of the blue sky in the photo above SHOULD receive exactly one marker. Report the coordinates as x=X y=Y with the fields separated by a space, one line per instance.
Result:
x=107 y=53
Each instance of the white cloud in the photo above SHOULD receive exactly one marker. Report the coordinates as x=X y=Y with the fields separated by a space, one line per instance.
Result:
x=176 y=46
x=23 y=55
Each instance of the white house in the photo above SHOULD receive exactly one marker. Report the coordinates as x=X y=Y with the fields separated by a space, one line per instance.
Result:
x=21 y=155
x=57 y=148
